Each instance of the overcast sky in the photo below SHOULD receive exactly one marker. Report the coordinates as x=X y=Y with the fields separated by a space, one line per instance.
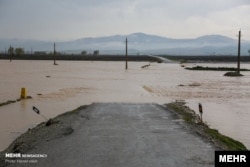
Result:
x=72 y=19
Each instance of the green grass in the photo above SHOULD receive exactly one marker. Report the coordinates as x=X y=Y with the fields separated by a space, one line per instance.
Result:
x=181 y=109
x=229 y=142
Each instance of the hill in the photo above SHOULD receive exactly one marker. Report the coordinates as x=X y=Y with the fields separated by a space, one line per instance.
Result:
x=137 y=43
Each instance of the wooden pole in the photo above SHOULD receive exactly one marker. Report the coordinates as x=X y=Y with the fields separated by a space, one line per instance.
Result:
x=126 y=54
x=54 y=53
x=239 y=47
x=11 y=52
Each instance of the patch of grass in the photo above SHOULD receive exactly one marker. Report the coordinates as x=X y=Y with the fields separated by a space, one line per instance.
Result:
x=13 y=101
x=193 y=119
x=183 y=110
x=233 y=74
x=7 y=102
x=229 y=142
x=214 y=68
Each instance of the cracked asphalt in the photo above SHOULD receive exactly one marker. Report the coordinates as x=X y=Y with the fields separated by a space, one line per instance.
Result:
x=126 y=135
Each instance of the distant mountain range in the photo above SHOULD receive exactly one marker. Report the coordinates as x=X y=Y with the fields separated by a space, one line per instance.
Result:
x=138 y=43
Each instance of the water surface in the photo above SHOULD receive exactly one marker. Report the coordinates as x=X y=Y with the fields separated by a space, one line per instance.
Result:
x=58 y=89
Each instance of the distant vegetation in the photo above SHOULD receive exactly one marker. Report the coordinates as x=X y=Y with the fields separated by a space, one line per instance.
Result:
x=221 y=58
x=82 y=57
x=96 y=52
x=84 y=52
x=232 y=71
x=17 y=51
x=233 y=74
x=214 y=68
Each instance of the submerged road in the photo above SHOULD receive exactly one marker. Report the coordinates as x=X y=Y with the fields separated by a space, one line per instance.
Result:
x=126 y=135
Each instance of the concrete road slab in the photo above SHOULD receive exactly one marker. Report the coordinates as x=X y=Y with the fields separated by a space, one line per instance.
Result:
x=126 y=135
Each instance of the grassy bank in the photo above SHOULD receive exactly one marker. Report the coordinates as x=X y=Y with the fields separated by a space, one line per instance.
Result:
x=13 y=101
x=220 y=140
x=232 y=71
x=200 y=68
x=208 y=58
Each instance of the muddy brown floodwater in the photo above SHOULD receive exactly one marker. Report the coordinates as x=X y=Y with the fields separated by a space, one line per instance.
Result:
x=58 y=89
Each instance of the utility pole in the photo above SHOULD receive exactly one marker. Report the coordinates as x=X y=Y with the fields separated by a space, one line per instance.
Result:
x=54 y=53
x=126 y=54
x=239 y=47
x=11 y=50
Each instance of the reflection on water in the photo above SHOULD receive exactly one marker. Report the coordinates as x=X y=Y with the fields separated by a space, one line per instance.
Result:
x=57 y=89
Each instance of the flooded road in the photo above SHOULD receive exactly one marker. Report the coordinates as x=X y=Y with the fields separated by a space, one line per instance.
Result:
x=58 y=89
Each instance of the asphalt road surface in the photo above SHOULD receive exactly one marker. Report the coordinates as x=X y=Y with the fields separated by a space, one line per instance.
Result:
x=126 y=135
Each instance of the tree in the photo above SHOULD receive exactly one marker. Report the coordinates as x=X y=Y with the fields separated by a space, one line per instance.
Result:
x=11 y=50
x=96 y=52
x=19 y=51
x=84 y=52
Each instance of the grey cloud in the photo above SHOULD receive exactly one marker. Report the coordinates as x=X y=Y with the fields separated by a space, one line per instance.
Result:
x=65 y=18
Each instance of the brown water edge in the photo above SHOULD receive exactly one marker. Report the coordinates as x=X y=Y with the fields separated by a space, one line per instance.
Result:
x=73 y=84
x=201 y=127
x=228 y=117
